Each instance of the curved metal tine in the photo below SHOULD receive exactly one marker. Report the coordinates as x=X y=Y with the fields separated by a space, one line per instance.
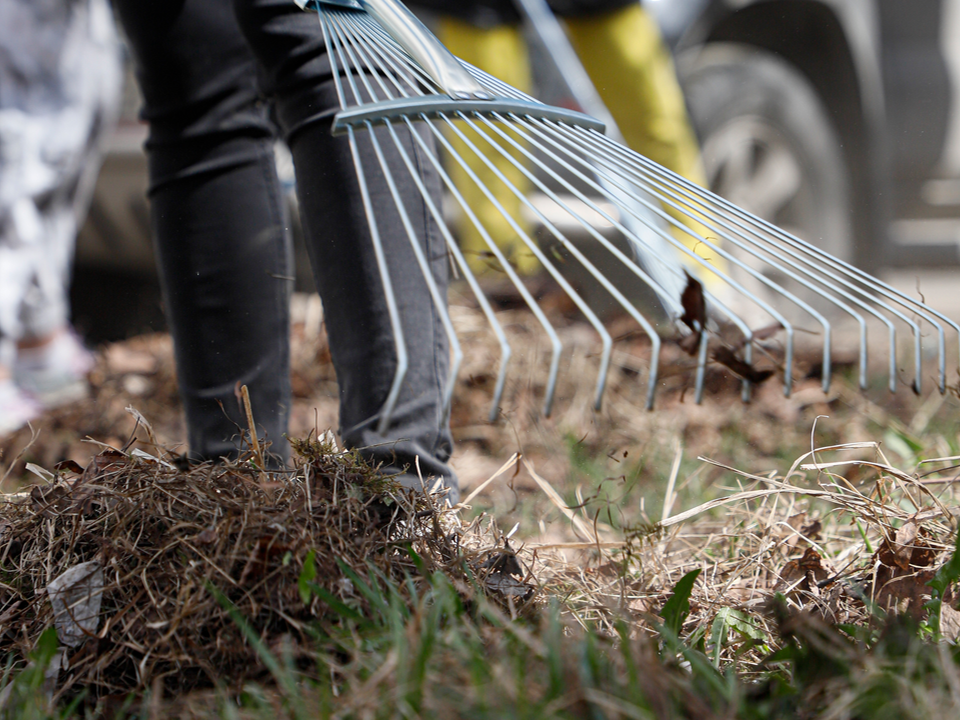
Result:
x=591 y=317
x=396 y=326
x=858 y=280
x=347 y=45
x=629 y=235
x=630 y=308
x=392 y=55
x=698 y=214
x=518 y=125
x=403 y=74
x=762 y=242
x=339 y=60
x=850 y=272
x=400 y=345
x=325 y=21
x=788 y=327
x=505 y=350
x=860 y=276
x=353 y=37
x=879 y=287
x=382 y=41
x=496 y=84
x=648 y=327
x=555 y=344
x=439 y=301
x=655 y=340
x=506 y=90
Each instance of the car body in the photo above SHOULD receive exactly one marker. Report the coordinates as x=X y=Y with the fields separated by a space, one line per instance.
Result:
x=886 y=74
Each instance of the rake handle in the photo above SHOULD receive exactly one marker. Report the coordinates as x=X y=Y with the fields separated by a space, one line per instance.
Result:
x=422 y=45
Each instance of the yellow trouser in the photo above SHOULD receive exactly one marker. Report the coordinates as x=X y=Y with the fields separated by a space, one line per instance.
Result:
x=633 y=72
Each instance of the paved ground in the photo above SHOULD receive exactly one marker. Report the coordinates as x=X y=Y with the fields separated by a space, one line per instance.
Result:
x=938 y=288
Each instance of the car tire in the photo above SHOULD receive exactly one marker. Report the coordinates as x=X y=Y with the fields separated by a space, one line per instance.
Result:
x=768 y=144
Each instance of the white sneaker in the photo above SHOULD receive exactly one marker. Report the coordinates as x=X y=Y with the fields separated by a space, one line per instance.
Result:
x=16 y=408
x=55 y=374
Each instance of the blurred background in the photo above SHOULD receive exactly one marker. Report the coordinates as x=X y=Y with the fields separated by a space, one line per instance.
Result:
x=835 y=119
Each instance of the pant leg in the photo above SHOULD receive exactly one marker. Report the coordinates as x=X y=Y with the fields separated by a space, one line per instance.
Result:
x=631 y=67
x=297 y=76
x=217 y=218
x=87 y=86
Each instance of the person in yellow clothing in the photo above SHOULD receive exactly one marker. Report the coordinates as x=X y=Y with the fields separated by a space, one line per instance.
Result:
x=620 y=47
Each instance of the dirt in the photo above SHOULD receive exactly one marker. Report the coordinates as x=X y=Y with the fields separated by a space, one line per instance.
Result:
x=140 y=373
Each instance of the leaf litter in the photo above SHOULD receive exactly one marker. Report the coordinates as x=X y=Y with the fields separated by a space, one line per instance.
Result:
x=132 y=558
x=836 y=544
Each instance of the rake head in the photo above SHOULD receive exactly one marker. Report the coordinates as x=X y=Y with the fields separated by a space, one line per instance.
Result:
x=683 y=263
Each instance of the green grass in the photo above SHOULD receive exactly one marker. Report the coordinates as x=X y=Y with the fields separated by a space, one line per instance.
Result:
x=442 y=653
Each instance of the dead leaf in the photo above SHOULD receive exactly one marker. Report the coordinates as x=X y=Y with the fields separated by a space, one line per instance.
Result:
x=694 y=313
x=803 y=575
x=207 y=537
x=102 y=463
x=905 y=593
x=75 y=596
x=949 y=623
x=910 y=549
x=903 y=544
x=726 y=357
x=505 y=575
x=69 y=466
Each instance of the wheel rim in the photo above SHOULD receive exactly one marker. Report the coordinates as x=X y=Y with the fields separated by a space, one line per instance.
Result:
x=750 y=163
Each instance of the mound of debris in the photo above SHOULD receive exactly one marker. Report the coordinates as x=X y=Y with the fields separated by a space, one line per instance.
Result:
x=143 y=563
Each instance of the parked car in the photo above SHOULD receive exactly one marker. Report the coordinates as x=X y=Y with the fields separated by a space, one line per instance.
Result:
x=838 y=119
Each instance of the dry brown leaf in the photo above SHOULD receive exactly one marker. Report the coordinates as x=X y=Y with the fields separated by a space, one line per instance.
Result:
x=949 y=623
x=803 y=575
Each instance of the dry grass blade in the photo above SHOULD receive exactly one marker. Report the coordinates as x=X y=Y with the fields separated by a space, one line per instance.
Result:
x=172 y=542
x=581 y=527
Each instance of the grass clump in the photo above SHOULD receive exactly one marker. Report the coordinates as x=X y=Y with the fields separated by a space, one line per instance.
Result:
x=229 y=591
x=145 y=565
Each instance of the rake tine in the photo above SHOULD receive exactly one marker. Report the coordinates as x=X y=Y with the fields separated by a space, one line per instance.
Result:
x=519 y=126
x=546 y=26
x=555 y=344
x=590 y=267
x=668 y=299
x=788 y=327
x=505 y=349
x=863 y=344
x=853 y=273
x=388 y=70
x=532 y=245
x=400 y=345
x=438 y=300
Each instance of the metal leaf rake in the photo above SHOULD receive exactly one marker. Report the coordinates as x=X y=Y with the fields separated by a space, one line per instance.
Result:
x=754 y=278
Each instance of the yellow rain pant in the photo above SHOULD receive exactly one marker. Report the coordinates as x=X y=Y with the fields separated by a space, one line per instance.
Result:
x=633 y=72
x=502 y=52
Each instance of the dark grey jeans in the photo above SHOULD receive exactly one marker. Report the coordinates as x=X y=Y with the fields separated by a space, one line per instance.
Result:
x=218 y=77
